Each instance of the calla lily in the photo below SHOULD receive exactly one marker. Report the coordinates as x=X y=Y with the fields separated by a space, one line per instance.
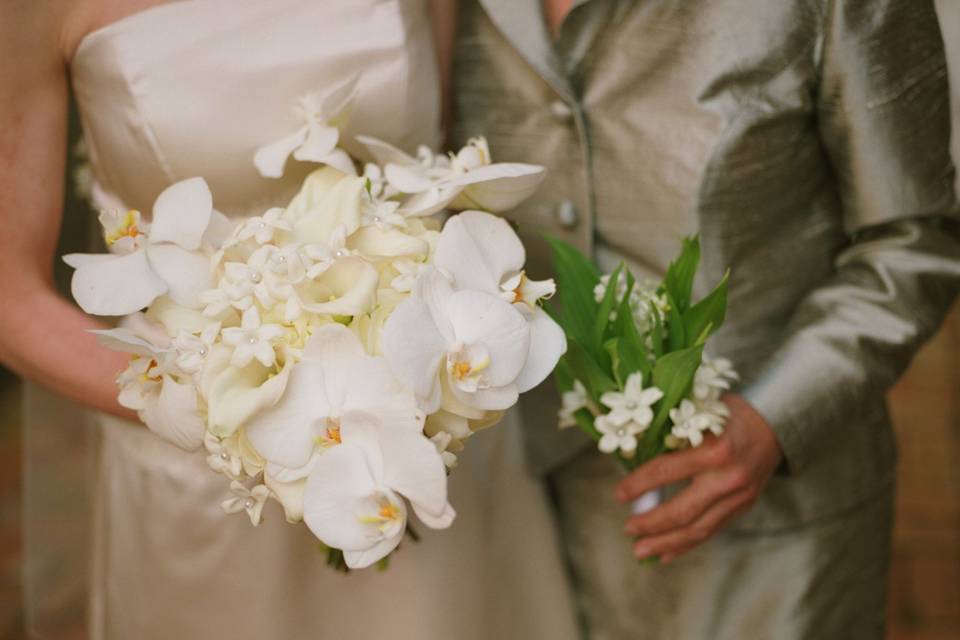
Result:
x=234 y=394
x=483 y=253
x=328 y=202
x=466 y=180
x=316 y=140
x=335 y=384
x=163 y=260
x=348 y=287
x=478 y=342
x=151 y=386
x=353 y=495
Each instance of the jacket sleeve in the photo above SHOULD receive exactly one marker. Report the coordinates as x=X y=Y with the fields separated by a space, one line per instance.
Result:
x=884 y=122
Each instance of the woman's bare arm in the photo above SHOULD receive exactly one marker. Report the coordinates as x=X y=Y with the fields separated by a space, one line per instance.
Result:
x=42 y=336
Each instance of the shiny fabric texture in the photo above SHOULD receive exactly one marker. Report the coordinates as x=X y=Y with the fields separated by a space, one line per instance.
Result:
x=824 y=580
x=192 y=88
x=806 y=141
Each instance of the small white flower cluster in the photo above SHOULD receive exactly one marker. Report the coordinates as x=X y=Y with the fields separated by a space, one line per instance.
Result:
x=332 y=354
x=628 y=414
x=643 y=299
x=704 y=411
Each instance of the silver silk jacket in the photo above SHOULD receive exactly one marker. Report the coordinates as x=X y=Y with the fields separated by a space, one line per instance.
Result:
x=805 y=140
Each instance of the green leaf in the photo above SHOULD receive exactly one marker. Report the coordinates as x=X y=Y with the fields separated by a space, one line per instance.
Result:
x=588 y=371
x=676 y=335
x=602 y=319
x=705 y=317
x=679 y=279
x=576 y=279
x=673 y=374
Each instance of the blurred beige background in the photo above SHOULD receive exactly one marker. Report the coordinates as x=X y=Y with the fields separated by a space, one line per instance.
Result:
x=925 y=593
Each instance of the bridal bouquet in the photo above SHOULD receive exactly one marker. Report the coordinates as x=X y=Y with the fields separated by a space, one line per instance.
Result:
x=634 y=376
x=335 y=353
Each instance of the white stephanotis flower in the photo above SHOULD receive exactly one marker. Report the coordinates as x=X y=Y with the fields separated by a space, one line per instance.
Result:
x=262 y=228
x=571 y=402
x=713 y=377
x=249 y=500
x=192 y=349
x=165 y=260
x=472 y=341
x=634 y=405
x=220 y=459
x=466 y=180
x=692 y=419
x=322 y=113
x=354 y=495
x=151 y=386
x=253 y=339
x=483 y=253
x=614 y=436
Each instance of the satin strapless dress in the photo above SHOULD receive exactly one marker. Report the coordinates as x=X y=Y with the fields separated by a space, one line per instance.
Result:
x=193 y=88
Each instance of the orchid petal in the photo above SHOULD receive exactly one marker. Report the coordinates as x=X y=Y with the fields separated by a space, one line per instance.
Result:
x=482 y=318
x=284 y=433
x=413 y=467
x=479 y=250
x=270 y=159
x=341 y=161
x=429 y=202
x=186 y=273
x=385 y=153
x=218 y=231
x=497 y=187
x=547 y=344
x=408 y=178
x=339 y=99
x=414 y=347
x=115 y=285
x=320 y=141
x=174 y=416
x=334 y=493
x=490 y=398
x=125 y=341
x=181 y=214
x=441 y=520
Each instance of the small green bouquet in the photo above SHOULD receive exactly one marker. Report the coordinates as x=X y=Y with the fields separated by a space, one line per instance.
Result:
x=635 y=377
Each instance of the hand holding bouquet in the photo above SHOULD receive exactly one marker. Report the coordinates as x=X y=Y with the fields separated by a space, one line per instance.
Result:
x=634 y=376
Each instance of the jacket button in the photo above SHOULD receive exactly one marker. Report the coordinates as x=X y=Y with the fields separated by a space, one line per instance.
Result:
x=566 y=214
x=560 y=110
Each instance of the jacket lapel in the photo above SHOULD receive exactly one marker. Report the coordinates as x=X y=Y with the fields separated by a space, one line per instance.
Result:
x=521 y=23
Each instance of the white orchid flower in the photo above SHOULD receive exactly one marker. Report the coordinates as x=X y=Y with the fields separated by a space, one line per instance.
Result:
x=253 y=339
x=467 y=180
x=335 y=384
x=165 y=260
x=322 y=113
x=483 y=253
x=713 y=377
x=634 y=405
x=474 y=341
x=571 y=402
x=353 y=498
x=151 y=387
x=614 y=436
x=249 y=500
